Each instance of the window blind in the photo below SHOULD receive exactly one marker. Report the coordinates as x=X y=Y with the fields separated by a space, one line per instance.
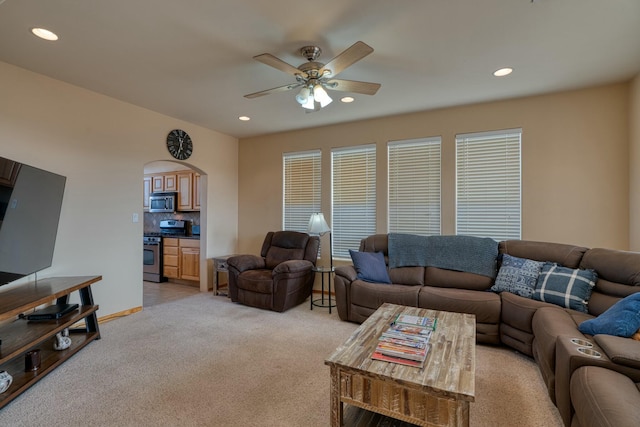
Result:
x=488 y=184
x=353 y=197
x=414 y=186
x=301 y=193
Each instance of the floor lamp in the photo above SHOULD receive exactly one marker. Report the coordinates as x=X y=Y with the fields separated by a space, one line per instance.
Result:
x=318 y=226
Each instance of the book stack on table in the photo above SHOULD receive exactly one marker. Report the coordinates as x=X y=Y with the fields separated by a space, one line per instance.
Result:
x=406 y=341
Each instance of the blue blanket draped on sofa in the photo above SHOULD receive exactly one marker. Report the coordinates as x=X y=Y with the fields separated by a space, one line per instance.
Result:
x=460 y=253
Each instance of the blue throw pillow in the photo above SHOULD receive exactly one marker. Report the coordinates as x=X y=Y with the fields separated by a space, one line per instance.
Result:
x=517 y=275
x=370 y=266
x=564 y=286
x=621 y=319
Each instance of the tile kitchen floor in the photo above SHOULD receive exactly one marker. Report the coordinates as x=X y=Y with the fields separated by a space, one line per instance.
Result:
x=159 y=293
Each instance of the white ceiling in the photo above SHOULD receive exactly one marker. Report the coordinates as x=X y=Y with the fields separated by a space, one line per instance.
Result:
x=192 y=59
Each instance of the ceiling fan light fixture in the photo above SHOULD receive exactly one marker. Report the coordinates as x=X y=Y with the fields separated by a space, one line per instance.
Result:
x=321 y=96
x=314 y=79
x=309 y=105
x=303 y=96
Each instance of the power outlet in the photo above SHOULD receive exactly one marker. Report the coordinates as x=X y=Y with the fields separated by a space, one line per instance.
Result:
x=134 y=217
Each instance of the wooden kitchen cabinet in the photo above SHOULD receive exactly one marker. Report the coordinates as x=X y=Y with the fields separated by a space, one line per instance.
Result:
x=146 y=192
x=185 y=191
x=164 y=182
x=171 y=258
x=185 y=183
x=170 y=182
x=157 y=183
x=190 y=259
x=181 y=258
x=196 y=191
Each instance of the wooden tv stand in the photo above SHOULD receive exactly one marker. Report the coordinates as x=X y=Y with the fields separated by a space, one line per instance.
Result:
x=20 y=335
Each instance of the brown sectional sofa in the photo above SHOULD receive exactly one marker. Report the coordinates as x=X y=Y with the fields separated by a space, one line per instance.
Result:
x=604 y=398
x=538 y=329
x=426 y=287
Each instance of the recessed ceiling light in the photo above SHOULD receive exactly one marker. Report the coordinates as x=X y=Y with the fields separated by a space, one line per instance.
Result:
x=244 y=118
x=44 y=34
x=503 y=72
x=347 y=99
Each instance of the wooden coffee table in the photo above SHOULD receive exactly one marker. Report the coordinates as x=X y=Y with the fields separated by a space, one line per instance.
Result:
x=437 y=395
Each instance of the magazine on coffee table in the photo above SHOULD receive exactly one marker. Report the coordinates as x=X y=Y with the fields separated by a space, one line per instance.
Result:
x=406 y=341
x=402 y=351
x=417 y=321
x=399 y=360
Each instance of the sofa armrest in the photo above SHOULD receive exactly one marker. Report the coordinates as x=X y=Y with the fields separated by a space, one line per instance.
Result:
x=347 y=271
x=623 y=351
x=345 y=275
x=602 y=397
x=246 y=262
x=569 y=359
x=293 y=266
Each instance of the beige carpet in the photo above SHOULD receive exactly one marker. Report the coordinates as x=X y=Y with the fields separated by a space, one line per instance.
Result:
x=204 y=361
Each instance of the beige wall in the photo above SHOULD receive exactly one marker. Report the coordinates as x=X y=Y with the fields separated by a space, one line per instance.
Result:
x=575 y=166
x=579 y=180
x=101 y=145
x=634 y=165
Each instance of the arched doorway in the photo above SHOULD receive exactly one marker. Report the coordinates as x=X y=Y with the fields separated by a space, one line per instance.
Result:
x=194 y=216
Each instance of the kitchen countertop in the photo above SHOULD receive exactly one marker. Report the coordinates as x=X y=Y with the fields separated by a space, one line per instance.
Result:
x=168 y=236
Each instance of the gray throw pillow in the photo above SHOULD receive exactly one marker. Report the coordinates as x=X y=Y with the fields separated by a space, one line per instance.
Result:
x=518 y=276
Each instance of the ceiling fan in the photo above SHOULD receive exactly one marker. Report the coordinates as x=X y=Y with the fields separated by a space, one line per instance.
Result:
x=315 y=77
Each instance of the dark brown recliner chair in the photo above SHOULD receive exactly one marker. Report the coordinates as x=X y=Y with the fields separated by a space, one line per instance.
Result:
x=281 y=277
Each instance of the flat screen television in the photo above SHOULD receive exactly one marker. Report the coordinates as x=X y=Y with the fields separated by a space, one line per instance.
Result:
x=30 y=203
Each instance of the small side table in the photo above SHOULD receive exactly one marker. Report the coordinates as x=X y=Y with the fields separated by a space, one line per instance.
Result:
x=220 y=266
x=320 y=302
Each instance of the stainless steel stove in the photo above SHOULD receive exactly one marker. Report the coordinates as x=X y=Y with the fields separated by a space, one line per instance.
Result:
x=173 y=227
x=152 y=244
x=152 y=258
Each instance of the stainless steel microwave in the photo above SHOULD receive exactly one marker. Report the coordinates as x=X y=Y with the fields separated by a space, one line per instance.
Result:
x=162 y=202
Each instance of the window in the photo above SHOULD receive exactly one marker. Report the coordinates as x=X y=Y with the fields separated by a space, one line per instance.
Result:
x=414 y=186
x=353 y=214
x=488 y=177
x=301 y=193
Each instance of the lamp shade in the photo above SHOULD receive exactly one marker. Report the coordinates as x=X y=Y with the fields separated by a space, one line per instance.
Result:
x=303 y=96
x=309 y=104
x=317 y=224
x=321 y=96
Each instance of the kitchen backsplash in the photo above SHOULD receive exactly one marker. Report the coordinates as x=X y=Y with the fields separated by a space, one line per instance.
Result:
x=152 y=220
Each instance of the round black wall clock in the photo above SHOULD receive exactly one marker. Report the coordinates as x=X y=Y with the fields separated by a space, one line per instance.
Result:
x=179 y=144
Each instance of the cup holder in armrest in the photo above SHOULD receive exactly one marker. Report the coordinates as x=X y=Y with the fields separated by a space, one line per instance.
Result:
x=582 y=343
x=589 y=352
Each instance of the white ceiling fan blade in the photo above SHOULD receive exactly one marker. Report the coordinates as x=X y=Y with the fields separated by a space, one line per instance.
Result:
x=365 y=88
x=279 y=64
x=273 y=90
x=352 y=54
